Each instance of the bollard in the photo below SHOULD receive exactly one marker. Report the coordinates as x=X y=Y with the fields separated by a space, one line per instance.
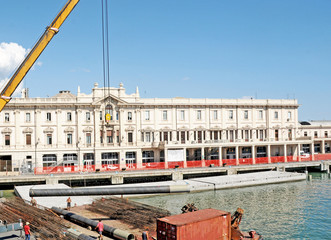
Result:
x=1 y=194
x=310 y=177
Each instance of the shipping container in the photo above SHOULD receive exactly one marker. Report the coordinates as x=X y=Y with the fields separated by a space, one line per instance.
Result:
x=206 y=224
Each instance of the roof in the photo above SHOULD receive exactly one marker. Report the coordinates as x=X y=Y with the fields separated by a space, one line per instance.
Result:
x=64 y=94
x=317 y=122
x=191 y=217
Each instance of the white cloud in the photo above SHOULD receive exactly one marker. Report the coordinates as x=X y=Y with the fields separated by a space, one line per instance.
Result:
x=11 y=55
x=186 y=78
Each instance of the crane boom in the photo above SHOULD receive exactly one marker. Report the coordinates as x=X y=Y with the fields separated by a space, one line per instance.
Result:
x=38 y=48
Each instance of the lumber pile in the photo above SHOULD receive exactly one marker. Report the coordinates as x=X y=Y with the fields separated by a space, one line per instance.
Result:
x=137 y=215
x=44 y=224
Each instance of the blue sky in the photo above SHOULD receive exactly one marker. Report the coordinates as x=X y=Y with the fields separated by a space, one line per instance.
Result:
x=189 y=48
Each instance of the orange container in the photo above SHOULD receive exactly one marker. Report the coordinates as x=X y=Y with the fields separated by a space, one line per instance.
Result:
x=207 y=224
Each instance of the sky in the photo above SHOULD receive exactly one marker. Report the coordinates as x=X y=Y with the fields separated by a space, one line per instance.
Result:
x=276 y=49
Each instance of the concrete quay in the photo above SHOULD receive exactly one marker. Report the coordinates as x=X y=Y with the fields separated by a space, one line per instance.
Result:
x=118 y=177
x=194 y=185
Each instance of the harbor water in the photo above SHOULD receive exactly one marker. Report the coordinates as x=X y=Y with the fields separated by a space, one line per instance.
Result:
x=297 y=210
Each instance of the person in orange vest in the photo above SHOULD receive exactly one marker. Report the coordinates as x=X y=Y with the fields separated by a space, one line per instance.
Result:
x=68 y=203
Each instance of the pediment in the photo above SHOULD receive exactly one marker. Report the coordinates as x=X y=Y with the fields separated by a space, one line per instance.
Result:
x=49 y=130
x=27 y=130
x=6 y=131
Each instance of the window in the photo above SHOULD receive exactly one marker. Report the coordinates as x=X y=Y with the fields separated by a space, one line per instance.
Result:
x=260 y=114
x=182 y=115
x=315 y=134
x=276 y=115
x=147 y=115
x=49 y=139
x=69 y=138
x=69 y=116
x=148 y=137
x=88 y=138
x=129 y=116
x=215 y=115
x=101 y=136
x=7 y=140
x=27 y=117
x=49 y=116
x=130 y=137
x=109 y=136
x=199 y=115
x=100 y=115
x=117 y=116
x=165 y=115
x=28 y=139
x=88 y=116
x=148 y=156
x=230 y=114
x=6 y=117
x=246 y=114
x=305 y=134
x=289 y=115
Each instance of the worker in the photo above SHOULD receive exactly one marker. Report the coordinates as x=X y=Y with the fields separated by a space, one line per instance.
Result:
x=27 y=231
x=33 y=202
x=68 y=203
x=145 y=236
x=100 y=229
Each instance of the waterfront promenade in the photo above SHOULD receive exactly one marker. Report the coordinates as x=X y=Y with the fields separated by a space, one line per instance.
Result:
x=148 y=174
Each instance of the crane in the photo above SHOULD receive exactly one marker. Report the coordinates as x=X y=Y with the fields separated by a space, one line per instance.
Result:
x=33 y=55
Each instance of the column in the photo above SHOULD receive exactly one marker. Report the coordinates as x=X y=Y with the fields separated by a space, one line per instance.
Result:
x=323 y=146
x=253 y=154
x=237 y=155
x=220 y=157
x=139 y=158
x=122 y=159
x=285 y=153
x=269 y=153
x=185 y=163
x=312 y=151
x=298 y=152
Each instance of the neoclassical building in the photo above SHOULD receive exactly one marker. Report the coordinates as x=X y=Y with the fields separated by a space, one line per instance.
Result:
x=109 y=126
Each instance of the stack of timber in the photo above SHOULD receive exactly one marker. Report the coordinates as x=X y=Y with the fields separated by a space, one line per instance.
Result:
x=137 y=215
x=44 y=223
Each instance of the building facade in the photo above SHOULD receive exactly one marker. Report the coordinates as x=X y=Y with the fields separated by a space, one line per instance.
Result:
x=110 y=127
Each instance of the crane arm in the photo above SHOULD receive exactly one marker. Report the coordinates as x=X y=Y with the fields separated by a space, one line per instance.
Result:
x=38 y=48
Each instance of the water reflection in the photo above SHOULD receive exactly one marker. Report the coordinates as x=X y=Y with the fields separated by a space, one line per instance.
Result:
x=299 y=210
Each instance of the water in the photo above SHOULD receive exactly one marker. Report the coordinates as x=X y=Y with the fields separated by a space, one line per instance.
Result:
x=299 y=210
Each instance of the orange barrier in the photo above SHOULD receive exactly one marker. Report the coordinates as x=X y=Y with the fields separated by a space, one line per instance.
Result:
x=180 y=164
x=229 y=162
x=245 y=161
x=261 y=160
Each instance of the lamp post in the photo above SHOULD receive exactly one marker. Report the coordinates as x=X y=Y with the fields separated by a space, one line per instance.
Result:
x=35 y=155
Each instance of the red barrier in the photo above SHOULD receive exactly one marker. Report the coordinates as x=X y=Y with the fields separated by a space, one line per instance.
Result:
x=229 y=162
x=176 y=164
x=216 y=163
x=154 y=165
x=319 y=157
x=194 y=164
x=292 y=158
x=261 y=160
x=245 y=161
x=277 y=159
x=181 y=164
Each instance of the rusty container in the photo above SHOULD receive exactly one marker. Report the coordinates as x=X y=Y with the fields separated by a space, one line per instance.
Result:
x=206 y=224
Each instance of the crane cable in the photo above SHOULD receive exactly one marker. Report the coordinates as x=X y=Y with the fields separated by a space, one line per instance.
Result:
x=105 y=52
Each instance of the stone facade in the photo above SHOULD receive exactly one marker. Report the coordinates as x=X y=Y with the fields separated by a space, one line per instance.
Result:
x=73 y=130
